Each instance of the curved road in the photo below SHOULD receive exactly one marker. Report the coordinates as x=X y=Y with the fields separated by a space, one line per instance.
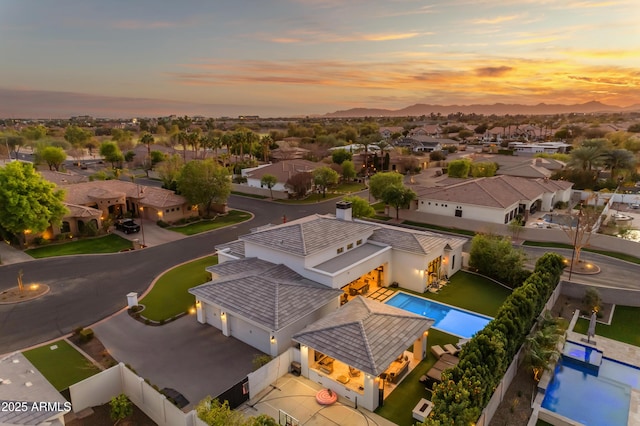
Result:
x=88 y=288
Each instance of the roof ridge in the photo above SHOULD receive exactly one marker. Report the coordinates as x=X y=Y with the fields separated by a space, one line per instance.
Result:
x=479 y=184
x=367 y=346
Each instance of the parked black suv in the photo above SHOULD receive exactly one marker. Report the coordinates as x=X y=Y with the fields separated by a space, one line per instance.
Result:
x=127 y=226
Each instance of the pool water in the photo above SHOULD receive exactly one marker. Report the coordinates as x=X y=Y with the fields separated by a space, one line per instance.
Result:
x=591 y=396
x=447 y=318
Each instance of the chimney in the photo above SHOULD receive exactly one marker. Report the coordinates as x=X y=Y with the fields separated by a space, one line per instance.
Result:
x=343 y=210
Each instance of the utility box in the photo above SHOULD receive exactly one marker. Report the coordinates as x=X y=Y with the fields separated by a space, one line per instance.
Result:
x=296 y=368
x=132 y=299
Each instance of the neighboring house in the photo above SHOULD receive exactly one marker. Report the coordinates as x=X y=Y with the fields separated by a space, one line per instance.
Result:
x=21 y=382
x=542 y=147
x=433 y=130
x=497 y=199
x=387 y=132
x=282 y=170
x=530 y=168
x=116 y=197
x=272 y=283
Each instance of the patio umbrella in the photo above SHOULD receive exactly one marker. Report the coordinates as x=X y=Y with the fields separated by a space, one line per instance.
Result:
x=592 y=327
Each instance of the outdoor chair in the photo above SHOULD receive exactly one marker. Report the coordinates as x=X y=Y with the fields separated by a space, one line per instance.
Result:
x=438 y=351
x=451 y=349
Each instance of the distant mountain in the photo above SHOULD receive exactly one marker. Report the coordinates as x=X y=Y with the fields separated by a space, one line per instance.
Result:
x=497 y=109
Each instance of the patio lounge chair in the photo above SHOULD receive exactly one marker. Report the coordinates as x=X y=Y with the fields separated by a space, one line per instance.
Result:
x=437 y=351
x=451 y=349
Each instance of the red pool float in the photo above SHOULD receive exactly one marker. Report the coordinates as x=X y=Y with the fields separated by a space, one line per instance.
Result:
x=326 y=397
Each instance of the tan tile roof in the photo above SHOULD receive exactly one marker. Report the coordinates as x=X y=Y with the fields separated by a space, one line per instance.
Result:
x=81 y=211
x=283 y=170
x=88 y=192
x=498 y=191
x=60 y=178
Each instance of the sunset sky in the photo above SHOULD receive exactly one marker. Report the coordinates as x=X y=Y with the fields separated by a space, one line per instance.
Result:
x=297 y=57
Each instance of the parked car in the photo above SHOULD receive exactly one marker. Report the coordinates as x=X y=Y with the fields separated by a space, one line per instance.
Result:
x=128 y=226
x=635 y=205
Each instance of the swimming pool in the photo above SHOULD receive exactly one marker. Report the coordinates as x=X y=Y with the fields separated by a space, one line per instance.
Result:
x=591 y=396
x=447 y=318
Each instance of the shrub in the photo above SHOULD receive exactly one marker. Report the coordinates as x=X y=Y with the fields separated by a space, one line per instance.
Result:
x=260 y=360
x=86 y=335
x=121 y=407
x=162 y=224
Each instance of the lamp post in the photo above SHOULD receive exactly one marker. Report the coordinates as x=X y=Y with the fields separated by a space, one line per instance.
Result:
x=140 y=214
x=575 y=242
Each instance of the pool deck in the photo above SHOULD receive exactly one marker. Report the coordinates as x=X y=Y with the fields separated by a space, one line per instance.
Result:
x=618 y=351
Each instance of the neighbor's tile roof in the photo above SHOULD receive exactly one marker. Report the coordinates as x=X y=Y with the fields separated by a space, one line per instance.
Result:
x=498 y=191
x=271 y=295
x=88 y=192
x=81 y=211
x=365 y=334
x=60 y=178
x=310 y=235
x=285 y=169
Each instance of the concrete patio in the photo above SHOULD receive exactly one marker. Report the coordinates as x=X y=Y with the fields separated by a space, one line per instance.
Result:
x=296 y=396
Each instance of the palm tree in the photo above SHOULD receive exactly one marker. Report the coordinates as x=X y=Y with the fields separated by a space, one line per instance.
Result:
x=585 y=158
x=266 y=142
x=619 y=159
x=542 y=347
x=147 y=139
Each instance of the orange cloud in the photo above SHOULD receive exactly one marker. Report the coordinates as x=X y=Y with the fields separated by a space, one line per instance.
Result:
x=496 y=20
x=493 y=71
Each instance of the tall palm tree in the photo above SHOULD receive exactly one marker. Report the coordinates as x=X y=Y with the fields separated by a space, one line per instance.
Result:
x=586 y=158
x=147 y=139
x=619 y=159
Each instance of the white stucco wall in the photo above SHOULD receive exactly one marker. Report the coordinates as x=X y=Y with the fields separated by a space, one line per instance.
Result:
x=469 y=211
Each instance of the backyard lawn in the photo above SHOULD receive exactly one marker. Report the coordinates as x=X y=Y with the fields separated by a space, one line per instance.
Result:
x=624 y=326
x=169 y=296
x=398 y=406
x=467 y=291
x=231 y=218
x=472 y=292
x=111 y=243
x=63 y=366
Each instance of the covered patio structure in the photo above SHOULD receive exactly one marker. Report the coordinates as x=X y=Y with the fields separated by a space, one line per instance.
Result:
x=360 y=348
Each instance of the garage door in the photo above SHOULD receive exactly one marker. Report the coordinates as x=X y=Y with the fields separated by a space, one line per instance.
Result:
x=212 y=315
x=249 y=334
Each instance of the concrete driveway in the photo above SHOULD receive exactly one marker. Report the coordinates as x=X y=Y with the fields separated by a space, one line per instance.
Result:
x=195 y=359
x=151 y=234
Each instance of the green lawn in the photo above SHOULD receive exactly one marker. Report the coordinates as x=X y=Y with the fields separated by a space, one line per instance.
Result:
x=397 y=407
x=63 y=366
x=614 y=254
x=624 y=326
x=339 y=191
x=111 y=243
x=471 y=292
x=467 y=291
x=169 y=296
x=233 y=217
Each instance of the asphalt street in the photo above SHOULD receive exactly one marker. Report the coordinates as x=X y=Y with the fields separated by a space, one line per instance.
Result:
x=88 y=288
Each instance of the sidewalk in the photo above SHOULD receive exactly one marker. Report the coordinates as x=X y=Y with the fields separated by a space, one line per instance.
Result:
x=9 y=255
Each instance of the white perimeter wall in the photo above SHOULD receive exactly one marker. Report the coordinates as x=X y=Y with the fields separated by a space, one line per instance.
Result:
x=260 y=379
x=99 y=389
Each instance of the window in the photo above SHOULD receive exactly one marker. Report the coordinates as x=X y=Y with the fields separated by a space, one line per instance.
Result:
x=340 y=250
x=358 y=242
x=349 y=246
x=458 y=212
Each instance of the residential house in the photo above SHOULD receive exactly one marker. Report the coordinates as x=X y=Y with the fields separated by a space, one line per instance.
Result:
x=116 y=197
x=387 y=132
x=288 y=281
x=497 y=199
x=541 y=147
x=432 y=130
x=282 y=170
